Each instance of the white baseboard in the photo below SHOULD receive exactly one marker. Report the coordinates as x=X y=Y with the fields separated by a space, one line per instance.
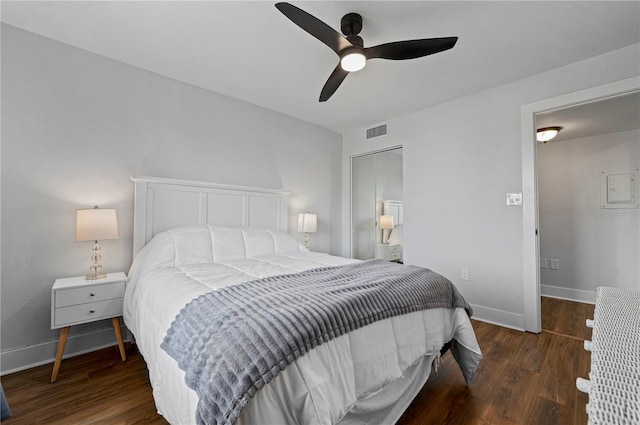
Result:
x=15 y=360
x=498 y=317
x=578 y=295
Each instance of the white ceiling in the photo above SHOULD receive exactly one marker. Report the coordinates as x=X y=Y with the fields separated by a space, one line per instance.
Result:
x=250 y=51
x=611 y=115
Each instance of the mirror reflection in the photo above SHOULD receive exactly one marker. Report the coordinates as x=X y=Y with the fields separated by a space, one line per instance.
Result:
x=377 y=214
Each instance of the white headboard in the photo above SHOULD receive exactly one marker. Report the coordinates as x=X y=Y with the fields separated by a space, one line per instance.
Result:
x=161 y=204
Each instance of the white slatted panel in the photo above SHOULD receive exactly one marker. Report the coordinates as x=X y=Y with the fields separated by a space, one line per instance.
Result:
x=161 y=204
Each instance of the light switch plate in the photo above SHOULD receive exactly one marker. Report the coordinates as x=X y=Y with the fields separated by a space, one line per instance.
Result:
x=464 y=274
x=514 y=198
x=543 y=263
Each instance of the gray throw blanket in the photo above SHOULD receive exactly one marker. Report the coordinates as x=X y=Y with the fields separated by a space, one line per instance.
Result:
x=233 y=341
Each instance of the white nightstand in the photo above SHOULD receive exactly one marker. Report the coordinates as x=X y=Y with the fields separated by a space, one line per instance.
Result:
x=76 y=300
x=389 y=252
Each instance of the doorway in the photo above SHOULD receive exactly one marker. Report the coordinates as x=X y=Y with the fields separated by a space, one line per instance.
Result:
x=531 y=245
x=376 y=179
x=588 y=226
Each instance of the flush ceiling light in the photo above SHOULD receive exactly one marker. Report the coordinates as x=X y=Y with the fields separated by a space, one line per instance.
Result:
x=547 y=133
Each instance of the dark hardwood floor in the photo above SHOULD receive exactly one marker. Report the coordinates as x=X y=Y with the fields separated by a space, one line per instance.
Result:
x=94 y=388
x=566 y=318
x=524 y=378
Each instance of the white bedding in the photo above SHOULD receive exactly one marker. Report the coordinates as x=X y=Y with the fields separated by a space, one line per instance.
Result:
x=367 y=376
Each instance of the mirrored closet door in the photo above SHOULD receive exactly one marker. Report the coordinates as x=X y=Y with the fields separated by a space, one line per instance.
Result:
x=376 y=181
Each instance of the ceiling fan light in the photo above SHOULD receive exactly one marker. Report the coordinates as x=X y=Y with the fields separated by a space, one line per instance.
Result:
x=545 y=134
x=353 y=61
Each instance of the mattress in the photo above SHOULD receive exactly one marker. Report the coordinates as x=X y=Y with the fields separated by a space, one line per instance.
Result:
x=367 y=376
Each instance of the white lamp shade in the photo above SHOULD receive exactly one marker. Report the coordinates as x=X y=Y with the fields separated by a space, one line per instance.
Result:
x=96 y=224
x=386 y=222
x=307 y=223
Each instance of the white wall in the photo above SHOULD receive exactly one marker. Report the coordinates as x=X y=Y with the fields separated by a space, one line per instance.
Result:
x=460 y=160
x=76 y=126
x=595 y=246
x=389 y=175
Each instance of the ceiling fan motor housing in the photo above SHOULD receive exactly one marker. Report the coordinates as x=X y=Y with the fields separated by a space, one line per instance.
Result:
x=351 y=24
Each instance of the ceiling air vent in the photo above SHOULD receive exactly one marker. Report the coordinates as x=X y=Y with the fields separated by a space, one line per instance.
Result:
x=378 y=131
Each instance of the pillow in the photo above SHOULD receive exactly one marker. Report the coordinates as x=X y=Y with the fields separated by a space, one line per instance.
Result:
x=396 y=235
x=199 y=244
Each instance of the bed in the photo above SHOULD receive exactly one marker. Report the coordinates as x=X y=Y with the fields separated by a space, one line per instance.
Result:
x=194 y=239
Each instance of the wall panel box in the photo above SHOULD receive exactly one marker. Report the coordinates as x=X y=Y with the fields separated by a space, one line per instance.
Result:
x=618 y=190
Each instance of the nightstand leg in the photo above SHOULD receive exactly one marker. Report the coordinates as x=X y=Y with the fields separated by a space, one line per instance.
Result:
x=116 y=327
x=64 y=333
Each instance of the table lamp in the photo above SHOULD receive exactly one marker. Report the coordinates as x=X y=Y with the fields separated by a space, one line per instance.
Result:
x=94 y=224
x=386 y=224
x=307 y=223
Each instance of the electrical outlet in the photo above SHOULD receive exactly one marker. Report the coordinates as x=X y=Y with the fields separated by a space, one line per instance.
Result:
x=464 y=274
x=555 y=264
x=543 y=263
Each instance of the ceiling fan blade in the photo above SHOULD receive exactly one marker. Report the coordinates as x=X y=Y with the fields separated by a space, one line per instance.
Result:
x=410 y=49
x=314 y=26
x=335 y=79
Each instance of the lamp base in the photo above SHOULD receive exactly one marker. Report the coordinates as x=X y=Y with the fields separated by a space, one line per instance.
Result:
x=95 y=276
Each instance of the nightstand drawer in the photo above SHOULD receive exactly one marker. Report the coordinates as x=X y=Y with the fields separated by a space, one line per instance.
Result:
x=393 y=256
x=389 y=252
x=89 y=294
x=394 y=249
x=83 y=313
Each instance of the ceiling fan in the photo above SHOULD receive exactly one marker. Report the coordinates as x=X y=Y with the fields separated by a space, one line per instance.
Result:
x=350 y=48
